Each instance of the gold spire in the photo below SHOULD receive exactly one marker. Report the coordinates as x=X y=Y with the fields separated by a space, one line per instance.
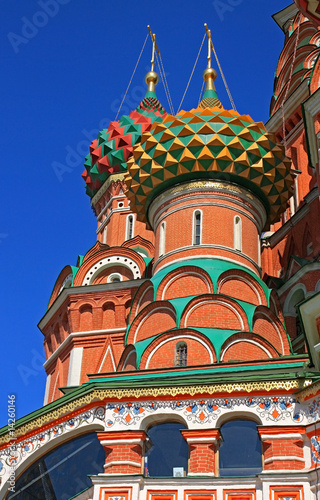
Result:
x=152 y=77
x=210 y=98
x=209 y=74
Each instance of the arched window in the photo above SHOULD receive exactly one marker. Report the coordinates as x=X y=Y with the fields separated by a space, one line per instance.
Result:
x=168 y=450
x=181 y=354
x=114 y=278
x=129 y=229
x=241 y=452
x=63 y=472
x=237 y=234
x=162 y=239
x=197 y=227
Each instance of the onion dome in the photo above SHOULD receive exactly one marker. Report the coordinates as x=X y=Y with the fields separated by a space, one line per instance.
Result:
x=209 y=142
x=113 y=147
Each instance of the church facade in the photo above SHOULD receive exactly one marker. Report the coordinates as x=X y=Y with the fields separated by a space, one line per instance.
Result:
x=182 y=350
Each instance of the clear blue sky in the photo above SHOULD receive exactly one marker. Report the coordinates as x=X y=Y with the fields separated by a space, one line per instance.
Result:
x=63 y=74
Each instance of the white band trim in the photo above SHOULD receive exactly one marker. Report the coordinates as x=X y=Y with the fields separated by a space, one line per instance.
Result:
x=211 y=474
x=122 y=462
x=283 y=459
x=107 y=442
x=201 y=440
x=293 y=435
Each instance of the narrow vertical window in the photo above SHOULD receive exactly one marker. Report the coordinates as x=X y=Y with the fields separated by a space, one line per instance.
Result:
x=197 y=222
x=162 y=239
x=104 y=237
x=237 y=231
x=129 y=230
x=181 y=354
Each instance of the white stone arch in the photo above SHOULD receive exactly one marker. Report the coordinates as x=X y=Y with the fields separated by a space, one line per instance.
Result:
x=158 y=308
x=47 y=440
x=161 y=418
x=238 y=415
x=273 y=323
x=250 y=341
x=118 y=260
x=296 y=295
x=240 y=277
x=150 y=287
x=186 y=273
x=179 y=338
x=214 y=301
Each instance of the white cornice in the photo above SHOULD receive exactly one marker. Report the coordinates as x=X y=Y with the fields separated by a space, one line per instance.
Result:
x=82 y=290
x=112 y=211
x=283 y=16
x=105 y=185
x=294 y=100
x=291 y=137
x=274 y=238
x=268 y=437
x=313 y=266
x=75 y=335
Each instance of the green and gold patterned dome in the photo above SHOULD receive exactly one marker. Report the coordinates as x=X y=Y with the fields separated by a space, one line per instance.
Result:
x=209 y=142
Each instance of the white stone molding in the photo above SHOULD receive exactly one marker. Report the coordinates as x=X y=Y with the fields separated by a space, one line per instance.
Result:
x=75 y=365
x=106 y=262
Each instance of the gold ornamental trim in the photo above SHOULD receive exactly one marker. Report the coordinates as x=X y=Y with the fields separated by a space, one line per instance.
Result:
x=306 y=392
x=102 y=394
x=119 y=176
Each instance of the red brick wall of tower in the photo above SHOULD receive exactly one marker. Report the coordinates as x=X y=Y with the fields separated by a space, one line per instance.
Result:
x=219 y=206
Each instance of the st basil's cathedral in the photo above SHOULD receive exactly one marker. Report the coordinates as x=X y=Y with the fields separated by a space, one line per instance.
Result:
x=183 y=349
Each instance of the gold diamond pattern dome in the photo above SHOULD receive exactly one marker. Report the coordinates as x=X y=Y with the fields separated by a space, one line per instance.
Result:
x=209 y=143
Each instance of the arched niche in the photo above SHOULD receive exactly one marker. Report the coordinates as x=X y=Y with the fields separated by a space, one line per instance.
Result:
x=63 y=470
x=240 y=453
x=167 y=449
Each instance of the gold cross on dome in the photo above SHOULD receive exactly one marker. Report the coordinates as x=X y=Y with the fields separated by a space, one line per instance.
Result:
x=210 y=44
x=154 y=47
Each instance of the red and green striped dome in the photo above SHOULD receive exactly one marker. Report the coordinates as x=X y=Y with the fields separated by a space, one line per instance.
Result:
x=114 y=145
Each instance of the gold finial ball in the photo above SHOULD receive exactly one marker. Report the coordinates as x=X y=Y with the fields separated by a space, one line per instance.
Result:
x=209 y=73
x=151 y=76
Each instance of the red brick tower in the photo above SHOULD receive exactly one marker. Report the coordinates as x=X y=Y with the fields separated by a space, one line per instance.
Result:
x=171 y=375
x=292 y=246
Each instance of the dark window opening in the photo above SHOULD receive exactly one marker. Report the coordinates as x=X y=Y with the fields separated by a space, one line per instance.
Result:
x=168 y=450
x=130 y=227
x=240 y=453
x=197 y=228
x=181 y=354
x=63 y=472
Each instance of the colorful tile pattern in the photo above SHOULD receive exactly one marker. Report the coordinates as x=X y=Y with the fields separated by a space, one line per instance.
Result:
x=315 y=449
x=209 y=143
x=113 y=147
x=206 y=411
